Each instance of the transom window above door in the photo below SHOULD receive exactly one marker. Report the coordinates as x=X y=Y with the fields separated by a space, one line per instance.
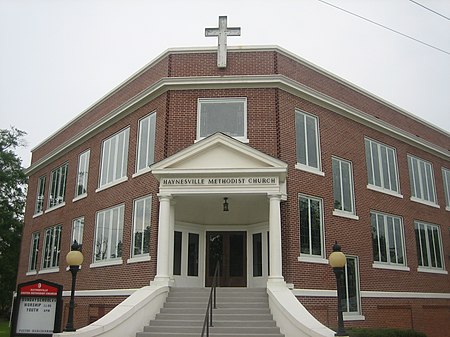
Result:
x=226 y=115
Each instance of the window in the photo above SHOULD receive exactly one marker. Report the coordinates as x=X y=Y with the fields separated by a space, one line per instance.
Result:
x=387 y=239
x=52 y=247
x=382 y=169
x=177 y=247
x=422 y=180
x=40 y=196
x=257 y=254
x=446 y=178
x=311 y=226
x=77 y=230
x=351 y=298
x=429 y=246
x=82 y=174
x=34 y=250
x=114 y=158
x=146 y=142
x=58 y=186
x=141 y=226
x=109 y=234
x=193 y=249
x=344 y=200
x=227 y=115
x=307 y=136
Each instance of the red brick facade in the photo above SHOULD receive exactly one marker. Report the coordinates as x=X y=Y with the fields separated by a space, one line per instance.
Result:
x=271 y=130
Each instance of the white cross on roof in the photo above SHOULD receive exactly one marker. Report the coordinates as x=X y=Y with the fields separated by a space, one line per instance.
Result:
x=222 y=32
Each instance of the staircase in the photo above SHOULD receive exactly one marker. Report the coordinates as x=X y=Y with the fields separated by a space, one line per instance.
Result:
x=240 y=312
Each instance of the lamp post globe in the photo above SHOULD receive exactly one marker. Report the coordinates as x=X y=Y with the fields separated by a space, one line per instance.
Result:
x=337 y=261
x=74 y=259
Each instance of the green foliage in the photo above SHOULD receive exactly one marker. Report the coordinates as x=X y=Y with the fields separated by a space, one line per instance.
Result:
x=12 y=205
x=366 y=332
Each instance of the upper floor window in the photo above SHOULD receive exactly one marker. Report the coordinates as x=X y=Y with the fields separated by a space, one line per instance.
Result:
x=311 y=227
x=344 y=200
x=40 y=196
x=58 y=186
x=446 y=178
x=52 y=247
x=382 y=170
x=429 y=246
x=114 y=158
x=387 y=239
x=422 y=180
x=34 y=250
x=141 y=226
x=77 y=230
x=146 y=142
x=82 y=174
x=307 y=141
x=108 y=239
x=226 y=115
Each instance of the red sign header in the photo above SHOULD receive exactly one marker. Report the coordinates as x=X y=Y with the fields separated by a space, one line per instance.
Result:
x=38 y=289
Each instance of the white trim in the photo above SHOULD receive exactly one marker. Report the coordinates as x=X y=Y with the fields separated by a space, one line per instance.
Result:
x=48 y=210
x=390 y=266
x=432 y=270
x=311 y=259
x=348 y=316
x=31 y=272
x=424 y=202
x=309 y=169
x=37 y=214
x=79 y=197
x=141 y=172
x=48 y=270
x=114 y=183
x=384 y=191
x=140 y=258
x=101 y=293
x=370 y=294
x=314 y=292
x=110 y=262
x=447 y=208
x=343 y=214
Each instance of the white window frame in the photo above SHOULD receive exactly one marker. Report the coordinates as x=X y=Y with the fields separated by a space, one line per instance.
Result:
x=379 y=227
x=82 y=174
x=145 y=152
x=384 y=153
x=77 y=230
x=201 y=101
x=302 y=141
x=110 y=228
x=139 y=227
x=420 y=184
x=40 y=196
x=34 y=251
x=446 y=182
x=310 y=257
x=353 y=315
x=51 y=248
x=423 y=243
x=114 y=160
x=57 y=192
x=341 y=211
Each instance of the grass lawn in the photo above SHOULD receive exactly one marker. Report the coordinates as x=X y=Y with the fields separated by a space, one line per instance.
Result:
x=4 y=328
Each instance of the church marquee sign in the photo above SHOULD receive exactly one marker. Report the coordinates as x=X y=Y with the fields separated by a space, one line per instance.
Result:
x=219 y=181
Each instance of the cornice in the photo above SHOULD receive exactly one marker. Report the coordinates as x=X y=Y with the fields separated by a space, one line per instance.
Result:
x=250 y=81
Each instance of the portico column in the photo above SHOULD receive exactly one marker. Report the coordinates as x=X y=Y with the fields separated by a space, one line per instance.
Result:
x=275 y=276
x=162 y=264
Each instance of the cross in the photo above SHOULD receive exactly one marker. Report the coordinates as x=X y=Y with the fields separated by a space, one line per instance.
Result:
x=222 y=32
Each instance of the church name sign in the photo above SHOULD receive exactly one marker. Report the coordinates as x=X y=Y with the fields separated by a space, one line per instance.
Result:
x=222 y=181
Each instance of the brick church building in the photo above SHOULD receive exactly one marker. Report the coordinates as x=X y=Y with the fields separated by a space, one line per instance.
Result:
x=265 y=161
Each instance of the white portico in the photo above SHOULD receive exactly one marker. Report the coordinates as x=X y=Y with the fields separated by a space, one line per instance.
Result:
x=196 y=230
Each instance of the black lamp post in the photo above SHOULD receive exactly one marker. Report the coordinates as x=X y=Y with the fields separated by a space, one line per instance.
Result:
x=74 y=259
x=337 y=261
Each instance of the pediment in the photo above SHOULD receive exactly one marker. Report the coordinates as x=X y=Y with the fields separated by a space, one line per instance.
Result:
x=216 y=153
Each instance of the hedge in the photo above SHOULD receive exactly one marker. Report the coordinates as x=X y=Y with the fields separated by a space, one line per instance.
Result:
x=366 y=332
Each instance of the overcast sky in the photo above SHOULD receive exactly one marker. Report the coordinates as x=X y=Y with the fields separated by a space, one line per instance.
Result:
x=58 y=57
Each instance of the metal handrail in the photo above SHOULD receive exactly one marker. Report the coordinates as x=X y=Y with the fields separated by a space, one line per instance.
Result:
x=208 y=321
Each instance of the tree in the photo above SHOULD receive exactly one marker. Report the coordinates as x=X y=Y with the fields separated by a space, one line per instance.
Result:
x=12 y=204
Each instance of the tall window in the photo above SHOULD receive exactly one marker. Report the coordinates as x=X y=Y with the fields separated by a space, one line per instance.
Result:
x=82 y=174
x=387 y=239
x=114 y=158
x=146 y=142
x=34 y=250
x=311 y=226
x=40 y=195
x=446 y=178
x=382 y=169
x=109 y=234
x=422 y=180
x=77 y=230
x=141 y=225
x=307 y=137
x=429 y=246
x=351 y=298
x=343 y=191
x=227 y=115
x=58 y=186
x=52 y=247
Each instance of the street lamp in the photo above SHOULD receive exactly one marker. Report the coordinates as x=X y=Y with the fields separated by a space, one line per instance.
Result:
x=337 y=261
x=74 y=259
